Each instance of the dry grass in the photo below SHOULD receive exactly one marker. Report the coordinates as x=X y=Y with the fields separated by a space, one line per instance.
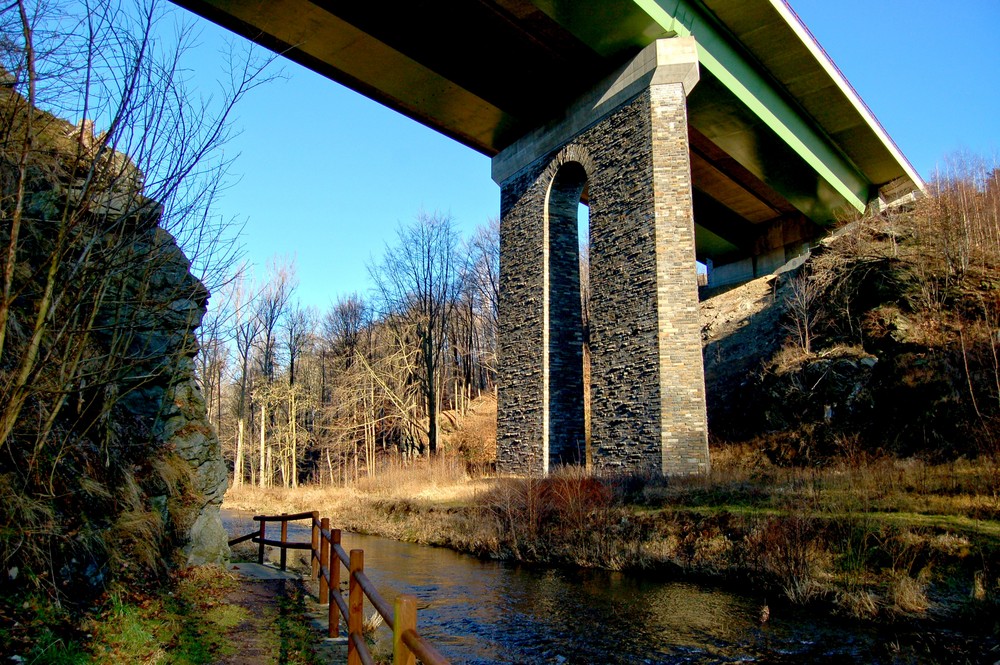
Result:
x=908 y=595
x=870 y=537
x=424 y=501
x=744 y=474
x=875 y=536
x=441 y=481
x=862 y=604
x=475 y=437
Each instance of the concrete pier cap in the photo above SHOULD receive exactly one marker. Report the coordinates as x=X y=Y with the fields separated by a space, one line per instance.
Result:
x=666 y=61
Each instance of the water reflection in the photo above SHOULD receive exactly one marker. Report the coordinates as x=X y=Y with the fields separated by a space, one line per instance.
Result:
x=487 y=612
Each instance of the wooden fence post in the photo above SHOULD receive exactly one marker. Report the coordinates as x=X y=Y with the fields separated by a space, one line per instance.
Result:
x=355 y=607
x=284 y=539
x=315 y=544
x=404 y=619
x=324 y=562
x=334 y=616
x=260 y=550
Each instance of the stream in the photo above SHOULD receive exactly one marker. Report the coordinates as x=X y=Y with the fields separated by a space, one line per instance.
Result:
x=487 y=612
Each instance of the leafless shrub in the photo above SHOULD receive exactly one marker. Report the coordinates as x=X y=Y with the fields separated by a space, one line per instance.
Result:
x=804 y=306
x=788 y=549
x=86 y=214
x=569 y=517
x=960 y=220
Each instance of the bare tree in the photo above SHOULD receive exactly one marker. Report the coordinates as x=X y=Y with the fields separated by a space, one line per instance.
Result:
x=112 y=70
x=212 y=361
x=245 y=333
x=484 y=248
x=348 y=393
x=805 y=309
x=484 y=273
x=271 y=309
x=344 y=325
x=417 y=283
x=299 y=328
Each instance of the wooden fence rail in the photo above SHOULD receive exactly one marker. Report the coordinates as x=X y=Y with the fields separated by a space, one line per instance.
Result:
x=327 y=557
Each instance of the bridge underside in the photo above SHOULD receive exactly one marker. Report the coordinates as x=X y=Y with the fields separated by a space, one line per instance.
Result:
x=487 y=72
x=741 y=171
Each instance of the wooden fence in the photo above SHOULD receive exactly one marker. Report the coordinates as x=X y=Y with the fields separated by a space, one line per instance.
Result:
x=327 y=556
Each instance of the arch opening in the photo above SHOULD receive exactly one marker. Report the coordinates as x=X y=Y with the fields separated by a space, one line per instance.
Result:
x=565 y=427
x=583 y=236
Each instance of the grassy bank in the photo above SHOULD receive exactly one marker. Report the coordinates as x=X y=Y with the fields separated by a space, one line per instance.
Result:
x=879 y=539
x=204 y=615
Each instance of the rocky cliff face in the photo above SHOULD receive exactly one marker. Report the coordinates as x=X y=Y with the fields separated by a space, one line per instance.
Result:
x=164 y=347
x=903 y=359
x=151 y=322
x=108 y=462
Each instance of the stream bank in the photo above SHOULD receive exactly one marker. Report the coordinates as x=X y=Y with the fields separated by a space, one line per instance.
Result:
x=768 y=555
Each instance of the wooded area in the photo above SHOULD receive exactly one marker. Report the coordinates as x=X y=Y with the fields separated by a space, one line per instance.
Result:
x=299 y=395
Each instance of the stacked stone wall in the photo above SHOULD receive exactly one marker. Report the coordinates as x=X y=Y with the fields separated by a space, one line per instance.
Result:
x=684 y=434
x=565 y=340
x=625 y=411
x=647 y=381
x=520 y=389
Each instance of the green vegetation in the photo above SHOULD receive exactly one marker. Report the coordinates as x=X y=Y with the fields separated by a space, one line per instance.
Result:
x=200 y=617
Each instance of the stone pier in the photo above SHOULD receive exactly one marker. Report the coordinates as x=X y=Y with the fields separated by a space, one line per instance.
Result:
x=622 y=148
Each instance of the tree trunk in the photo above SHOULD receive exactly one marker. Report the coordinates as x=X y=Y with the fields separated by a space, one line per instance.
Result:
x=370 y=432
x=293 y=462
x=238 y=465
x=263 y=462
x=282 y=454
x=270 y=462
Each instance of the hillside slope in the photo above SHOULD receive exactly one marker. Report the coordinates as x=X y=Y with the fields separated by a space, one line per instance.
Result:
x=885 y=340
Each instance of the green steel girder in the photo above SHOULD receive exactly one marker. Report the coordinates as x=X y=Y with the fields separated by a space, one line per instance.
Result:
x=719 y=57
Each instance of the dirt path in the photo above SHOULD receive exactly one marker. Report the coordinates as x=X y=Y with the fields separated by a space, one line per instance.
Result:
x=275 y=628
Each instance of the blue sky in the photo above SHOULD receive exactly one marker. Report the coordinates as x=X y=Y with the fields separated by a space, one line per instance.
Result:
x=325 y=175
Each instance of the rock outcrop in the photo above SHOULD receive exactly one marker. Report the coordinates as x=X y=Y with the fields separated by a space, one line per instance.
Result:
x=111 y=463
x=903 y=353
x=181 y=423
x=166 y=306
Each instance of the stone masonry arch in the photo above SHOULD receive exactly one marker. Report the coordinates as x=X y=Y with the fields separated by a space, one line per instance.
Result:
x=627 y=143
